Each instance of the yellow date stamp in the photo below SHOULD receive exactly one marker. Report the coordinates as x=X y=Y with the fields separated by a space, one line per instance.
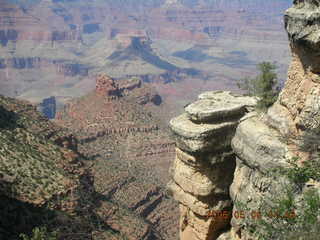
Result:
x=252 y=214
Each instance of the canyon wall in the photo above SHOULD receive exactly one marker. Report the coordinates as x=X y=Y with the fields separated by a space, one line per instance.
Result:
x=257 y=143
x=55 y=48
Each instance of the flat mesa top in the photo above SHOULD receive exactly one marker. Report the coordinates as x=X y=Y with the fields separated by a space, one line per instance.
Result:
x=217 y=105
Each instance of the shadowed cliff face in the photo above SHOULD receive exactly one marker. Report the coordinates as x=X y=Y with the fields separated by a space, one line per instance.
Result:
x=45 y=181
x=8 y=35
x=142 y=50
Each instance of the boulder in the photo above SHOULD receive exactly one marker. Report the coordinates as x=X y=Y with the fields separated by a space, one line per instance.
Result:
x=204 y=137
x=259 y=146
x=214 y=106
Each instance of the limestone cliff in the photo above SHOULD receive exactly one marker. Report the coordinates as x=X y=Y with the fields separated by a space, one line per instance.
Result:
x=226 y=150
x=205 y=163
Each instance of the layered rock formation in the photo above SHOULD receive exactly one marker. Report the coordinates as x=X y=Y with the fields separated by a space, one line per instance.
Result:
x=107 y=87
x=269 y=142
x=57 y=47
x=258 y=143
x=204 y=165
x=297 y=109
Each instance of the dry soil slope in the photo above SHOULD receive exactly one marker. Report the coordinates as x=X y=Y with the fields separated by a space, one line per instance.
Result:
x=44 y=181
x=132 y=152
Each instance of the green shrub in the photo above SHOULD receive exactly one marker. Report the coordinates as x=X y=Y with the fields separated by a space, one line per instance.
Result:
x=294 y=212
x=40 y=234
x=291 y=218
x=300 y=174
x=265 y=85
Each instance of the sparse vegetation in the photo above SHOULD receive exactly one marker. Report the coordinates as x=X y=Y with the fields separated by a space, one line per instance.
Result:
x=294 y=212
x=300 y=174
x=45 y=189
x=265 y=85
x=40 y=233
x=288 y=217
x=50 y=189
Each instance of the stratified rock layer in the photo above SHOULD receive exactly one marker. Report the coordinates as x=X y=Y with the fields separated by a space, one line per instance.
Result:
x=202 y=137
x=127 y=143
x=204 y=165
x=298 y=104
x=209 y=124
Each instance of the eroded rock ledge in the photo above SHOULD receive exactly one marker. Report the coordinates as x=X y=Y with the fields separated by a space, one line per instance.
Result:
x=205 y=163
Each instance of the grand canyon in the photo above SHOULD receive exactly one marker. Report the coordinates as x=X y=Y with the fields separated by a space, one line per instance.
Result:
x=56 y=48
x=88 y=89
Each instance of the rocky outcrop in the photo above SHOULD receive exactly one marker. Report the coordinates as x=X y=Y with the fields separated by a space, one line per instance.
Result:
x=132 y=88
x=130 y=85
x=259 y=149
x=204 y=165
x=141 y=92
x=106 y=86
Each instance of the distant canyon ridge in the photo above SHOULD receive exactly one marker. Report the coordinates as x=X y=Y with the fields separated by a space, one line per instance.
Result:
x=57 y=47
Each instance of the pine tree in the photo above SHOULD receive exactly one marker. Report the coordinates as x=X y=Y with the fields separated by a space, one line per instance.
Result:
x=264 y=86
